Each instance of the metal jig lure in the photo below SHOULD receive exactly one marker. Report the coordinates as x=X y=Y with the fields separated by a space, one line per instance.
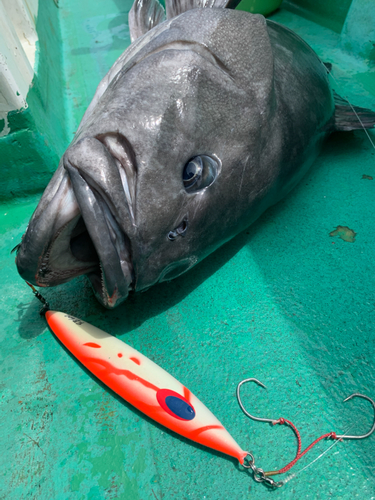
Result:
x=155 y=392
x=283 y=421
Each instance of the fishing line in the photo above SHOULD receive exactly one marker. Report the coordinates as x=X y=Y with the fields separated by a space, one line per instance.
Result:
x=295 y=474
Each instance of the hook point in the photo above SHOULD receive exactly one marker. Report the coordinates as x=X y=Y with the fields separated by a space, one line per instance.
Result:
x=258 y=382
x=348 y=398
x=240 y=402
x=358 y=395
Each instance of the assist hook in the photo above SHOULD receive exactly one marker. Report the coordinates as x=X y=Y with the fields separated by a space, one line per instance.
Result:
x=276 y=421
x=284 y=421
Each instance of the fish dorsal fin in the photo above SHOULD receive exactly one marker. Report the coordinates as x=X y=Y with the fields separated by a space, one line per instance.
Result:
x=176 y=7
x=143 y=16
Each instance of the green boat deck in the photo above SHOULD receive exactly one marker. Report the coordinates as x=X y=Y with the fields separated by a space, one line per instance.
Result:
x=284 y=302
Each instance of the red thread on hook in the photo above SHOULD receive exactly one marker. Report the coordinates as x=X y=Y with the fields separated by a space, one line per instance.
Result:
x=284 y=421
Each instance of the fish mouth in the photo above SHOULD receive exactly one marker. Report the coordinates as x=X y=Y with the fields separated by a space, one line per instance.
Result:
x=108 y=252
x=90 y=238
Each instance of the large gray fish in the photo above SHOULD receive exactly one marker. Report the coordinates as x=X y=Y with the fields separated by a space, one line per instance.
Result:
x=207 y=119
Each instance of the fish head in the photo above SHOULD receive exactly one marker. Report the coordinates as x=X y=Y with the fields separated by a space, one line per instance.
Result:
x=164 y=162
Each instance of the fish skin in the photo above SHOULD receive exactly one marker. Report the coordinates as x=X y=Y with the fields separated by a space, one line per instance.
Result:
x=218 y=82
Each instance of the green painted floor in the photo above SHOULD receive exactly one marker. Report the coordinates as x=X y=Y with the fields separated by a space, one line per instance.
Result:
x=283 y=302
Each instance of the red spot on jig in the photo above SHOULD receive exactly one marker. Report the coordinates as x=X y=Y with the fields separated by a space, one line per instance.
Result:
x=136 y=361
x=187 y=394
x=119 y=355
x=92 y=344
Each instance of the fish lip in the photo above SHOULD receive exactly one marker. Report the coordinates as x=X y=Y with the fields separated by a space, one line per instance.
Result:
x=113 y=277
x=125 y=282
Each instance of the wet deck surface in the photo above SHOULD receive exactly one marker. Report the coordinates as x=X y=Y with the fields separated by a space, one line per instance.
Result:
x=283 y=302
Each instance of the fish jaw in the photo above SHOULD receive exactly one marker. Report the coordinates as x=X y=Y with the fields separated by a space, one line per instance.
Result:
x=44 y=257
x=75 y=228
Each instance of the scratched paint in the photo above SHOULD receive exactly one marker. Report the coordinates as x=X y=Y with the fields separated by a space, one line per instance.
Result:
x=283 y=302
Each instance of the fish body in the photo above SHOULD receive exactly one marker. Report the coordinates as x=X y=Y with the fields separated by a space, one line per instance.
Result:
x=142 y=383
x=203 y=123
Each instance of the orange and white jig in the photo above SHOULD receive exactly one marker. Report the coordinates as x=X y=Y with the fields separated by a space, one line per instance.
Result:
x=157 y=394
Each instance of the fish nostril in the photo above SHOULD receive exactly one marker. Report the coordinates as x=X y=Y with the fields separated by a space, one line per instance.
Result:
x=179 y=231
x=182 y=228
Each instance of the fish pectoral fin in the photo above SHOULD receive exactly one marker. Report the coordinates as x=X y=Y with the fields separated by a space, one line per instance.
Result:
x=143 y=16
x=176 y=7
x=348 y=117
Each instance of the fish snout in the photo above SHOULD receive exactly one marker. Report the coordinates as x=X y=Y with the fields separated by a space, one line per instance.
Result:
x=85 y=221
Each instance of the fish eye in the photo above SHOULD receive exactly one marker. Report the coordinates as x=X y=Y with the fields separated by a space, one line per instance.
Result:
x=199 y=173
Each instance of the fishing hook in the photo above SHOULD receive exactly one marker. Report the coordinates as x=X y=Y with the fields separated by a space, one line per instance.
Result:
x=284 y=421
x=242 y=406
x=363 y=436
x=275 y=421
